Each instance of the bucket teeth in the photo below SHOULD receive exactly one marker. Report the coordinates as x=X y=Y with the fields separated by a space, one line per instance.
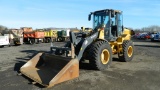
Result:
x=19 y=74
x=34 y=83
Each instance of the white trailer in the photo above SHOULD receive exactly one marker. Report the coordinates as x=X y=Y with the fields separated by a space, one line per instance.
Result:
x=15 y=36
x=4 y=41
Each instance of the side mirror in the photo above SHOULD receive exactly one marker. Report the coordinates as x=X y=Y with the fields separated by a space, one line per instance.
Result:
x=89 y=17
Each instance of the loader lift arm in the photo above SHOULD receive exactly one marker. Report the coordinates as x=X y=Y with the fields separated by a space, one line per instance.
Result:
x=80 y=44
x=85 y=43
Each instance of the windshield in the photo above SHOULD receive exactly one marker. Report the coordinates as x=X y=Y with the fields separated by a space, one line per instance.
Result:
x=99 y=19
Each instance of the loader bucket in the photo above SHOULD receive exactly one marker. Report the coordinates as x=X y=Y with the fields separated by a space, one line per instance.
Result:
x=48 y=70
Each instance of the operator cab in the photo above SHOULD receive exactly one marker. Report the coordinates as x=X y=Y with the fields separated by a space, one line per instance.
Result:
x=110 y=20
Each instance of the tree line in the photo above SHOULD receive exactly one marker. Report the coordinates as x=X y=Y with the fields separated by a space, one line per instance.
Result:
x=151 y=29
x=2 y=28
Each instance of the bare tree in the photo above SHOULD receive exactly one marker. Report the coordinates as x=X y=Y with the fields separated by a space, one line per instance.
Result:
x=2 y=28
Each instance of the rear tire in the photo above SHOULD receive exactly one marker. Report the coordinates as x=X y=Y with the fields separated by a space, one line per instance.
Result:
x=32 y=41
x=1 y=46
x=48 y=40
x=15 y=43
x=59 y=39
x=128 y=51
x=100 y=55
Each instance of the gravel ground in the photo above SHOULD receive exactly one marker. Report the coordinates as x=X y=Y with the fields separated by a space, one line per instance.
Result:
x=143 y=73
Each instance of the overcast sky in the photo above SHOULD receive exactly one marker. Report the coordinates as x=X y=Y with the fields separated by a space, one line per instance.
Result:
x=74 y=13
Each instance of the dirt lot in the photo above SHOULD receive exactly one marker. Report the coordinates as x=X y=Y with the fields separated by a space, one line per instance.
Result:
x=143 y=73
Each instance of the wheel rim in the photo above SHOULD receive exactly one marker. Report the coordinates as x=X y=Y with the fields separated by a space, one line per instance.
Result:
x=105 y=55
x=30 y=42
x=130 y=51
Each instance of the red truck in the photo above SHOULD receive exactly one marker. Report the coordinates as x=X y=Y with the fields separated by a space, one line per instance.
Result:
x=30 y=36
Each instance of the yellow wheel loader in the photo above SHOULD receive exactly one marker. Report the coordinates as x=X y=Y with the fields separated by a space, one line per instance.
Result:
x=108 y=37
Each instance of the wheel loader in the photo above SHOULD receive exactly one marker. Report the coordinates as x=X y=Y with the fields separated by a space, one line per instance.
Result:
x=107 y=37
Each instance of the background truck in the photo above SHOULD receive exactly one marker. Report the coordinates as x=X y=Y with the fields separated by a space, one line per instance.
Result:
x=50 y=35
x=4 y=40
x=15 y=36
x=156 y=37
x=63 y=35
x=30 y=36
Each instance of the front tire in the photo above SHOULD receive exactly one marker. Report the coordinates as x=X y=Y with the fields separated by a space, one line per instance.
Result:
x=100 y=55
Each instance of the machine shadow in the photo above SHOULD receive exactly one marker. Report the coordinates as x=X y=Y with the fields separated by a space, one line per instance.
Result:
x=22 y=60
x=116 y=59
x=89 y=66
x=86 y=66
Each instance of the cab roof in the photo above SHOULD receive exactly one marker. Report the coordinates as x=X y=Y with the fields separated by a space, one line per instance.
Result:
x=107 y=10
